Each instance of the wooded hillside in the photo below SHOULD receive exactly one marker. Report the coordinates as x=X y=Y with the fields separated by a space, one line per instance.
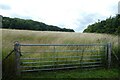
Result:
x=110 y=26
x=22 y=24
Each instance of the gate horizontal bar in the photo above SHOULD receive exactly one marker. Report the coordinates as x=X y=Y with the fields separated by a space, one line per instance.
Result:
x=52 y=51
x=63 y=44
x=59 y=61
x=99 y=62
x=59 y=57
x=73 y=67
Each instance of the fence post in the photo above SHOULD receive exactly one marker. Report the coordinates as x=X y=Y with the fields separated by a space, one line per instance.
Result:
x=17 y=58
x=109 y=54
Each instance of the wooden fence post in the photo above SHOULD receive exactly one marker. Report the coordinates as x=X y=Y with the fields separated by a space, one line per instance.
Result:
x=109 y=54
x=17 y=58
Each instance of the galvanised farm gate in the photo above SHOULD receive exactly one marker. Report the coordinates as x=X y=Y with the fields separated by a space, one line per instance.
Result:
x=39 y=57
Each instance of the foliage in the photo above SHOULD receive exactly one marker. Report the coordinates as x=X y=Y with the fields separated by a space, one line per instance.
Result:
x=109 y=26
x=16 y=23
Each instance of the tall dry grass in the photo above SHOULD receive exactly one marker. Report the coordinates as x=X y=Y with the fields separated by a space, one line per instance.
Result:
x=46 y=37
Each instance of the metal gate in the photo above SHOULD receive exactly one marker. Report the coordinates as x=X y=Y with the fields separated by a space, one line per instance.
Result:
x=39 y=57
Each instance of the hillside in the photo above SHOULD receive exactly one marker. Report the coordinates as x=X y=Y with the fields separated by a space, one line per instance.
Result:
x=109 y=26
x=22 y=24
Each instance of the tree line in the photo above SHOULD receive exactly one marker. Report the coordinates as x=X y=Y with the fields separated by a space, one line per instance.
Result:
x=22 y=24
x=110 y=26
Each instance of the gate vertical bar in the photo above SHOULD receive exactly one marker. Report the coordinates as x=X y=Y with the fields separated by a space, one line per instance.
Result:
x=106 y=55
x=109 y=54
x=17 y=58
x=55 y=63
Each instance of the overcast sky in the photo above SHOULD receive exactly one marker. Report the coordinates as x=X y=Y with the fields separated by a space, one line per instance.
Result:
x=74 y=14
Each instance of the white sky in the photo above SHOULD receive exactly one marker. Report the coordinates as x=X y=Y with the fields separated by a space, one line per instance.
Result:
x=74 y=14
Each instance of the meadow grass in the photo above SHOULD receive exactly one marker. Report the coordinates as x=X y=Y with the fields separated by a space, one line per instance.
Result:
x=46 y=37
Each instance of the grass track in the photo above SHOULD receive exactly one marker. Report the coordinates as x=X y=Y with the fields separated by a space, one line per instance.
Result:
x=100 y=73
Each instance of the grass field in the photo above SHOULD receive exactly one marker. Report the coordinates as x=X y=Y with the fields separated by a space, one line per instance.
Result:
x=45 y=37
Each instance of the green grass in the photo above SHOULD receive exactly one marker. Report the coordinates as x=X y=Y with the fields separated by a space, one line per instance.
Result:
x=77 y=73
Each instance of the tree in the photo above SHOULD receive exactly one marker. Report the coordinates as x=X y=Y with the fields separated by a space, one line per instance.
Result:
x=110 y=26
